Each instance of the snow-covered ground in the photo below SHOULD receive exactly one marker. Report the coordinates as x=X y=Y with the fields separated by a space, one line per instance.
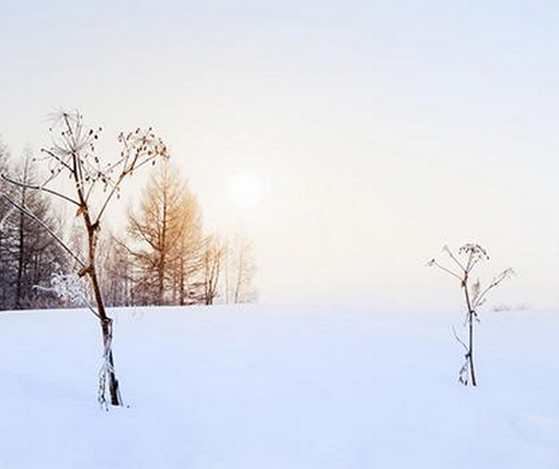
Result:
x=272 y=387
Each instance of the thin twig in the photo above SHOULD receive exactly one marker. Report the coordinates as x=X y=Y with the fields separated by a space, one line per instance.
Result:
x=454 y=258
x=445 y=269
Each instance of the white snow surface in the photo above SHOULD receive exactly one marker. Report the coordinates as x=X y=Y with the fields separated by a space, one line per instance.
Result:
x=279 y=387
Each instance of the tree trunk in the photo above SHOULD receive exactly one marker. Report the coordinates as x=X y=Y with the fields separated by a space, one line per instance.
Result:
x=182 y=280
x=20 y=261
x=21 y=242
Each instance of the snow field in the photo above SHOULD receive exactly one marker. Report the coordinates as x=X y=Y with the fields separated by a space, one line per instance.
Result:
x=270 y=387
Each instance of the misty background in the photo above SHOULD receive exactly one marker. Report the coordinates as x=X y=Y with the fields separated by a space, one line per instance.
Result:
x=381 y=131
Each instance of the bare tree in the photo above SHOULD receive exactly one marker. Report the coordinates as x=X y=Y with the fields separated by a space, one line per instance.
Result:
x=72 y=154
x=36 y=253
x=28 y=254
x=474 y=295
x=213 y=257
x=115 y=271
x=7 y=267
x=165 y=240
x=189 y=252
x=243 y=267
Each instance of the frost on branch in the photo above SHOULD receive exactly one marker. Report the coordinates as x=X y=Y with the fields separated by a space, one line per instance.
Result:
x=70 y=288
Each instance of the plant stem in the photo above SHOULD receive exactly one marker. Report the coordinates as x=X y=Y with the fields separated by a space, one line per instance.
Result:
x=471 y=318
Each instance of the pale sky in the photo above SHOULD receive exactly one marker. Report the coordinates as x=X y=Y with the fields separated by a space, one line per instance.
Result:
x=381 y=130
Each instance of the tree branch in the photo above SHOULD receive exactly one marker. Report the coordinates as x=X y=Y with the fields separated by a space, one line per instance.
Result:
x=39 y=188
x=454 y=258
x=434 y=263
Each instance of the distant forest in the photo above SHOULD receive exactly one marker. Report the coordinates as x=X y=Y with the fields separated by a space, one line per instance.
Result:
x=162 y=257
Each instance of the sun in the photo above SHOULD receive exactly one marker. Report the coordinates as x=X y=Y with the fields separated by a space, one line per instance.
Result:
x=246 y=189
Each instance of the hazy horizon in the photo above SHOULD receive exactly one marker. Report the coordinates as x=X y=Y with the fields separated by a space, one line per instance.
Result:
x=379 y=131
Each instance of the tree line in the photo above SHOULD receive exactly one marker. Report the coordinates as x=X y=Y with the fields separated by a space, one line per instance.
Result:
x=162 y=257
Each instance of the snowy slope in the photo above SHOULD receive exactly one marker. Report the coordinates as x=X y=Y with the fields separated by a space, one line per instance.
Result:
x=264 y=388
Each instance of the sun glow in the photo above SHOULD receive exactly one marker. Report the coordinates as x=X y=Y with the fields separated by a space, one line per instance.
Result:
x=246 y=190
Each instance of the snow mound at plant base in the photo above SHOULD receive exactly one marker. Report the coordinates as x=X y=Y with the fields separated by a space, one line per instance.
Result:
x=272 y=387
